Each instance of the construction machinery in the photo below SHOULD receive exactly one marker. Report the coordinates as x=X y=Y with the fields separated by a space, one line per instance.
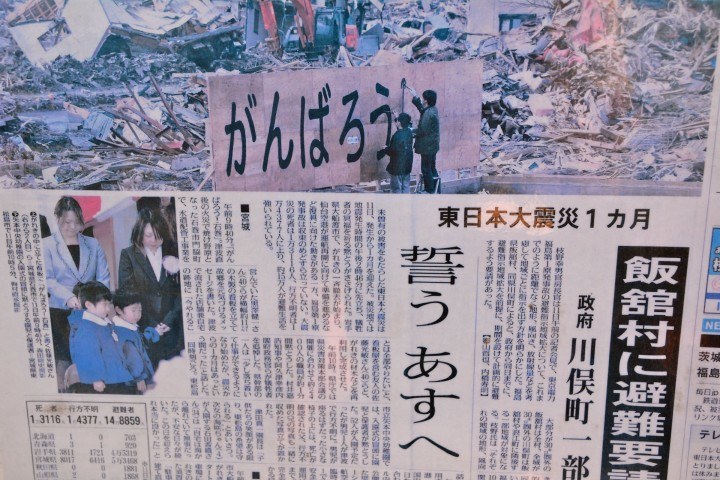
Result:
x=315 y=29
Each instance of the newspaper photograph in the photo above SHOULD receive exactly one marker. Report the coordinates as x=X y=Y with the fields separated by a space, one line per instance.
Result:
x=549 y=97
x=143 y=274
x=267 y=336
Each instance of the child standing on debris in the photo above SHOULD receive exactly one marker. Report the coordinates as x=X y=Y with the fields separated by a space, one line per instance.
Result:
x=400 y=151
x=128 y=310
x=94 y=345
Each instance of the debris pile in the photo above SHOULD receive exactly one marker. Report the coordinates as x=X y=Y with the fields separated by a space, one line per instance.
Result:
x=150 y=137
x=429 y=36
x=48 y=29
x=122 y=119
x=593 y=88
x=602 y=89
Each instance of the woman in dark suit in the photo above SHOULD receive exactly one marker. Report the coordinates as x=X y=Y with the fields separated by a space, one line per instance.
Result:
x=150 y=267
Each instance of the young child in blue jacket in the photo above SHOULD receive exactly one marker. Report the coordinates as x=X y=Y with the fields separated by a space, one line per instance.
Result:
x=94 y=346
x=128 y=310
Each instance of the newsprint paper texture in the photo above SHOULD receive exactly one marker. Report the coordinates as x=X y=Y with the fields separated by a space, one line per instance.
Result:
x=530 y=334
x=332 y=336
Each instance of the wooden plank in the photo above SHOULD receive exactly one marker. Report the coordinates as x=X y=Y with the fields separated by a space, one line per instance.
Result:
x=458 y=85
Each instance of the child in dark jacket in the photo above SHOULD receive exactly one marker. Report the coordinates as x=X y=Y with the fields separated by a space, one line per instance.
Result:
x=94 y=345
x=128 y=310
x=401 y=156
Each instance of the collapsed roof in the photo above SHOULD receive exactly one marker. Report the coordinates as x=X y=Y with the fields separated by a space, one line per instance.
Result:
x=48 y=29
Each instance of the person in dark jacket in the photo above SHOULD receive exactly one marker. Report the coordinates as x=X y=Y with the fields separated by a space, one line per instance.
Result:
x=427 y=137
x=150 y=266
x=400 y=151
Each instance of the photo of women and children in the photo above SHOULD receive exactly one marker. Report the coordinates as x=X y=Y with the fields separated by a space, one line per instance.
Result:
x=111 y=267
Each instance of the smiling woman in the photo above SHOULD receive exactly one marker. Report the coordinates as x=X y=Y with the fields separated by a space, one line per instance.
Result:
x=70 y=258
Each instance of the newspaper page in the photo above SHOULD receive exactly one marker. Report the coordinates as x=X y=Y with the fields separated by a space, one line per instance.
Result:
x=204 y=279
x=340 y=336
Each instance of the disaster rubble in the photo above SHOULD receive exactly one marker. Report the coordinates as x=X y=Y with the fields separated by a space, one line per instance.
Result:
x=601 y=89
x=128 y=115
x=594 y=88
x=133 y=131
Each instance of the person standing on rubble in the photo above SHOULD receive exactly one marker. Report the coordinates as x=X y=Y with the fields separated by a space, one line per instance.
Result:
x=400 y=151
x=427 y=138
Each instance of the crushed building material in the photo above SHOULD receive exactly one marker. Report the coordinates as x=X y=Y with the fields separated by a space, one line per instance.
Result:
x=82 y=29
x=112 y=95
x=625 y=92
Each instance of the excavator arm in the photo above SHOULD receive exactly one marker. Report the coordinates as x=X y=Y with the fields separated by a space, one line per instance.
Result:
x=305 y=21
x=271 y=25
